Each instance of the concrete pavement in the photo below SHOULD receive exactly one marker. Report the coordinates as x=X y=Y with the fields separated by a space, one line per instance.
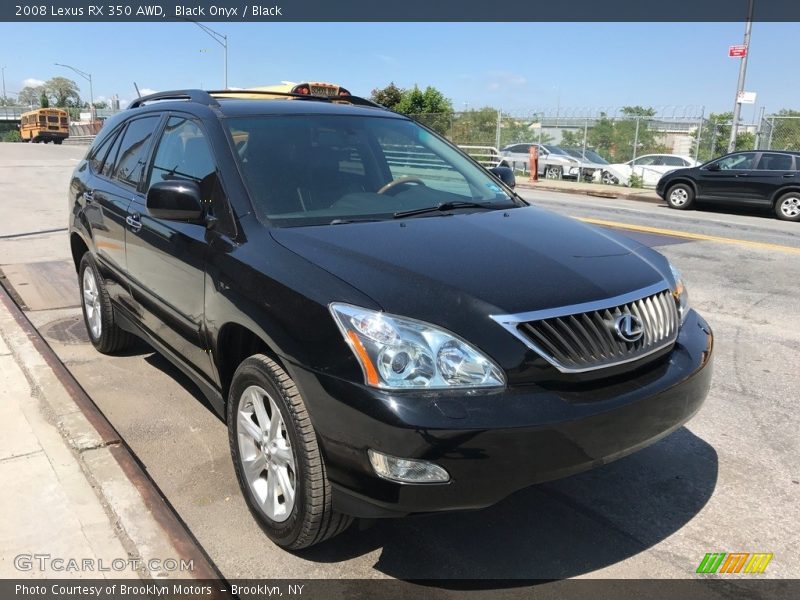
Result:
x=73 y=490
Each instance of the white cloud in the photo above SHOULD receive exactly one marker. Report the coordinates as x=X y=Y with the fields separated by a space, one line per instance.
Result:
x=386 y=58
x=32 y=82
x=147 y=91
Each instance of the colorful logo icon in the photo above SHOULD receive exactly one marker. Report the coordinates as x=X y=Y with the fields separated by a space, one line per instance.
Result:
x=734 y=562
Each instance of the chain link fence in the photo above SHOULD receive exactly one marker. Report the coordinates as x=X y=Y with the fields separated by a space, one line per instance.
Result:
x=618 y=138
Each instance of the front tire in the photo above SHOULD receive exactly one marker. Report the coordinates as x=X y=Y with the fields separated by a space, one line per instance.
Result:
x=680 y=196
x=98 y=313
x=787 y=207
x=277 y=459
x=551 y=172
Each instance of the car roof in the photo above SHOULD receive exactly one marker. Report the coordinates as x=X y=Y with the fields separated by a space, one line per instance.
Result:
x=240 y=107
x=255 y=102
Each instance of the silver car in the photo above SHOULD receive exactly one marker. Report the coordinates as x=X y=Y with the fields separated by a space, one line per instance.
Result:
x=554 y=163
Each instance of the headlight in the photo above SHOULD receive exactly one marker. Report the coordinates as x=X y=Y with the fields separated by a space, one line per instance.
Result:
x=680 y=293
x=399 y=353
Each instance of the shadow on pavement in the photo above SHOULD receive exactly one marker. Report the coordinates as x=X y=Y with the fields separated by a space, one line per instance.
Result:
x=555 y=530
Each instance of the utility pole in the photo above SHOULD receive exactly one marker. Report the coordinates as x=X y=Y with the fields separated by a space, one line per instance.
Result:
x=737 y=106
x=3 y=69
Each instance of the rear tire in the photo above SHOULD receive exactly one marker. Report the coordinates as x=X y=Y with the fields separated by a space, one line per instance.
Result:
x=680 y=196
x=787 y=207
x=98 y=313
x=276 y=457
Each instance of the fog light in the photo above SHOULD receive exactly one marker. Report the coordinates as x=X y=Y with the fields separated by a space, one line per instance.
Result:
x=406 y=470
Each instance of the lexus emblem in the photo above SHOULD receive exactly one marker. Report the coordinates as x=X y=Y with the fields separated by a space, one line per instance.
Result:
x=628 y=328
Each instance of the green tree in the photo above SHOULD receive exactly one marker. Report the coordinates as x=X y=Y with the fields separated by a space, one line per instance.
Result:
x=476 y=127
x=63 y=91
x=601 y=136
x=571 y=139
x=429 y=107
x=12 y=136
x=716 y=134
x=30 y=95
x=44 y=102
x=389 y=96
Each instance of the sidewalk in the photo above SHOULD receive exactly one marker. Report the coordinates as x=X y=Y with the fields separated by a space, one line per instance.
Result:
x=590 y=189
x=75 y=502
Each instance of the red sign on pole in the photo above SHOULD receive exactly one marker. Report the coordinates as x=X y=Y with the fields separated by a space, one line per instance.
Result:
x=737 y=51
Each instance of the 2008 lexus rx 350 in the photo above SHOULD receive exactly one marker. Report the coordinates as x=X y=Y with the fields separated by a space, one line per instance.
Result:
x=385 y=327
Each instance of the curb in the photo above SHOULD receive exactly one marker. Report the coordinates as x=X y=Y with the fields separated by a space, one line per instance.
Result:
x=623 y=193
x=146 y=523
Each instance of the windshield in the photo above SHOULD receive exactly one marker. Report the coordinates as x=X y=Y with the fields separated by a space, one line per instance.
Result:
x=318 y=169
x=595 y=157
x=554 y=150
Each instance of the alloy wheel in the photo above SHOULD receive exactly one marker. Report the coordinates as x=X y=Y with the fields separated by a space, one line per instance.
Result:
x=790 y=207
x=678 y=197
x=268 y=461
x=91 y=303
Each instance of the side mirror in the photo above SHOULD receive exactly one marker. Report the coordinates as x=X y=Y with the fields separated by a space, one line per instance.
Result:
x=713 y=167
x=504 y=174
x=175 y=200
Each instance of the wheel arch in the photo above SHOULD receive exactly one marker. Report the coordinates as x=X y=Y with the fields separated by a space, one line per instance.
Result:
x=684 y=180
x=781 y=191
x=78 y=248
x=235 y=343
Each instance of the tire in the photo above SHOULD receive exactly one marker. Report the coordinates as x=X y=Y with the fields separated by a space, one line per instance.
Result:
x=551 y=172
x=98 y=313
x=787 y=207
x=284 y=456
x=680 y=196
x=608 y=178
x=57 y=142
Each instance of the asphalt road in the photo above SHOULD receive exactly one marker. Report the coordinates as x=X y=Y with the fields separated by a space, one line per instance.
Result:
x=727 y=481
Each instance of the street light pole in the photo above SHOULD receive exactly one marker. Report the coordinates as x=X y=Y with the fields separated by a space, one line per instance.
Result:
x=88 y=77
x=221 y=39
x=737 y=106
x=3 y=69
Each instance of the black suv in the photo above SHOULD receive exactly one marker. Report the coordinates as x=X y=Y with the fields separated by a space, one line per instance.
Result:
x=760 y=178
x=386 y=328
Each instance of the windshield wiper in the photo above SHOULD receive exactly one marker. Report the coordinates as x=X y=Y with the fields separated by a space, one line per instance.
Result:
x=445 y=206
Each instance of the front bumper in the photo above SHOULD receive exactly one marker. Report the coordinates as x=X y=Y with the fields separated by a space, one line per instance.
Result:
x=495 y=443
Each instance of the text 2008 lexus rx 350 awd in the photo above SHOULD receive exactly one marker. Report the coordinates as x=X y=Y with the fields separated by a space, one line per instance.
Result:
x=386 y=328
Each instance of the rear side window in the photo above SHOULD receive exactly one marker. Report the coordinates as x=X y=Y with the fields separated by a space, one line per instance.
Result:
x=770 y=161
x=111 y=157
x=98 y=154
x=673 y=161
x=132 y=154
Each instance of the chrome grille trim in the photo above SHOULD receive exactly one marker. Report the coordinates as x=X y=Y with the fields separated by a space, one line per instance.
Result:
x=580 y=337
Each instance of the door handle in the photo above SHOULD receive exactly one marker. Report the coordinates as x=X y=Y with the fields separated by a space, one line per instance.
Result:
x=133 y=222
x=742 y=175
x=88 y=196
x=788 y=175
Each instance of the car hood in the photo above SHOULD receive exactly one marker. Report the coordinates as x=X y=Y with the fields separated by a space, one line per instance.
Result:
x=496 y=262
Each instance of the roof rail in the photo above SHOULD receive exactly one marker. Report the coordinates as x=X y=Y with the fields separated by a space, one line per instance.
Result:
x=199 y=96
x=357 y=100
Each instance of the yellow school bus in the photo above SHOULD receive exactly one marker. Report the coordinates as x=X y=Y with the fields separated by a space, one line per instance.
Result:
x=308 y=88
x=44 y=125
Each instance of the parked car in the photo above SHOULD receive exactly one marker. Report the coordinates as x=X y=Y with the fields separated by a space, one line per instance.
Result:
x=383 y=335
x=650 y=168
x=759 y=178
x=592 y=164
x=554 y=163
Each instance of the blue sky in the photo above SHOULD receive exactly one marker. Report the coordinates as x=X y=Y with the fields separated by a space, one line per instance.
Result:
x=514 y=66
